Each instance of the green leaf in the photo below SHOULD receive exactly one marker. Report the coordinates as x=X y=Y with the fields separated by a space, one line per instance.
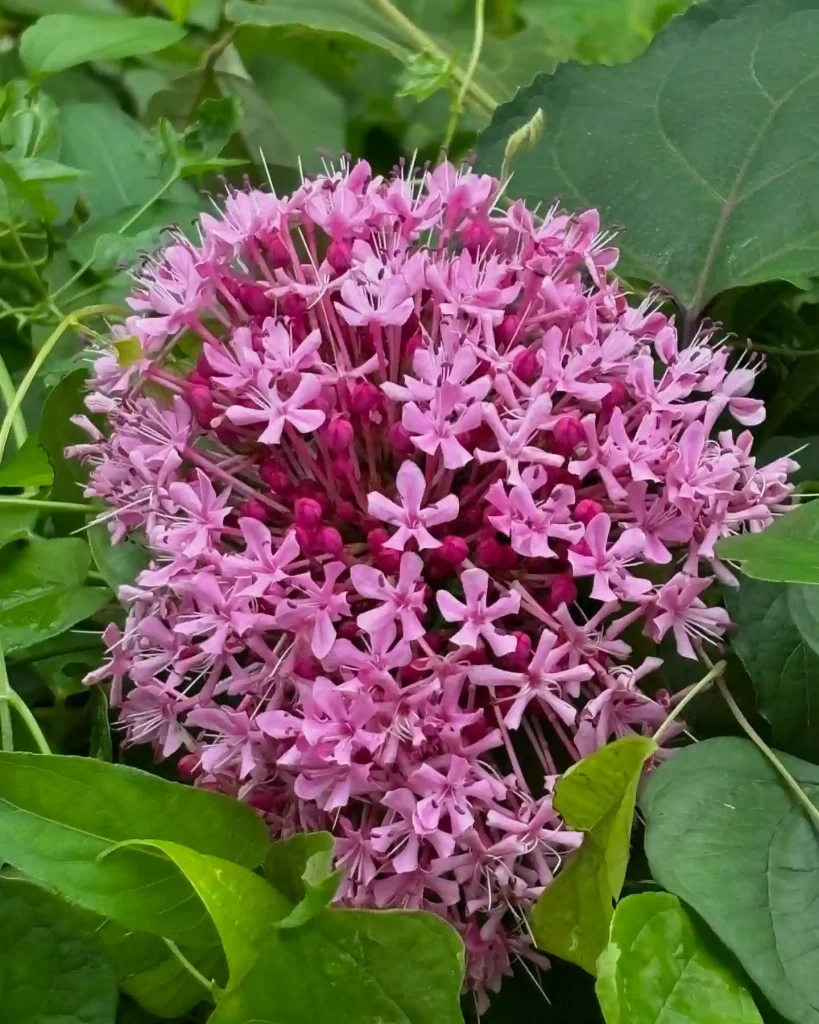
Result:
x=726 y=835
x=597 y=796
x=340 y=967
x=659 y=968
x=776 y=636
x=123 y=163
x=99 y=742
x=59 y=816
x=708 y=202
x=196 y=150
x=423 y=76
x=302 y=869
x=178 y=9
x=119 y=563
x=43 y=593
x=785 y=552
x=16 y=523
x=53 y=968
x=65 y=400
x=28 y=467
x=60 y=41
x=155 y=977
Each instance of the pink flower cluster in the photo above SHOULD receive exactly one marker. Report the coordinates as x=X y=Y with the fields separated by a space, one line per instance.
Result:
x=412 y=472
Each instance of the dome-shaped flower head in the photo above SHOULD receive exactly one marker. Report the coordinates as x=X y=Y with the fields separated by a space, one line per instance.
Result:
x=427 y=466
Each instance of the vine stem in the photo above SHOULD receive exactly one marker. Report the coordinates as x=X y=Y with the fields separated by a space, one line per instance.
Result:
x=189 y=967
x=713 y=673
x=9 y=698
x=425 y=43
x=474 y=57
x=18 y=423
x=799 y=794
x=60 y=506
x=72 y=320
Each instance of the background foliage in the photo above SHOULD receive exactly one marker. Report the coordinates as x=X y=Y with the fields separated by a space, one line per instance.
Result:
x=117 y=120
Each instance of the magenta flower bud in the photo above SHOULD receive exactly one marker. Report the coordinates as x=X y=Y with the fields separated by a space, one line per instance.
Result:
x=328 y=541
x=276 y=253
x=201 y=402
x=188 y=767
x=507 y=558
x=348 y=630
x=388 y=561
x=524 y=365
x=307 y=513
x=563 y=591
x=568 y=432
x=275 y=476
x=264 y=800
x=519 y=658
x=506 y=331
x=305 y=538
x=489 y=552
x=412 y=344
x=376 y=539
x=365 y=397
x=254 y=509
x=438 y=570
x=339 y=254
x=586 y=510
x=399 y=440
x=255 y=300
x=617 y=397
x=310 y=489
x=293 y=305
x=307 y=668
x=347 y=512
x=339 y=434
x=203 y=368
x=453 y=550
x=342 y=466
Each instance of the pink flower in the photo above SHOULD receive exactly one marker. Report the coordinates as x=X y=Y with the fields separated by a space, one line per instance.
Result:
x=402 y=601
x=412 y=521
x=276 y=412
x=678 y=607
x=476 y=615
x=608 y=565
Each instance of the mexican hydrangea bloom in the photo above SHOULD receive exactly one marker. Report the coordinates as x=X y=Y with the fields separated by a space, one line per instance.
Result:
x=412 y=473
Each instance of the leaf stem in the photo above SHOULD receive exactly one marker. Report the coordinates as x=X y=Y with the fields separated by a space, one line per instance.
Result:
x=799 y=794
x=18 y=423
x=71 y=320
x=426 y=44
x=6 y=728
x=713 y=673
x=189 y=967
x=474 y=57
x=60 y=506
x=33 y=726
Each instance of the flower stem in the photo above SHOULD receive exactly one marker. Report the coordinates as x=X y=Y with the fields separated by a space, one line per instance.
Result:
x=18 y=424
x=72 y=320
x=8 y=699
x=60 y=506
x=713 y=673
x=799 y=794
x=189 y=967
x=474 y=57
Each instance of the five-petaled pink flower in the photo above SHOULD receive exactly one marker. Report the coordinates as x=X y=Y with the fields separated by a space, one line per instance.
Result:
x=477 y=616
x=413 y=522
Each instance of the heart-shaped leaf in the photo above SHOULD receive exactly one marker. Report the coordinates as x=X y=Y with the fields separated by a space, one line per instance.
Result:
x=726 y=835
x=786 y=552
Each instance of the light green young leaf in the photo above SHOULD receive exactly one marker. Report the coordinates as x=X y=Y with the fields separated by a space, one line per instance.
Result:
x=43 y=591
x=339 y=967
x=302 y=869
x=639 y=143
x=423 y=75
x=60 y=816
x=785 y=552
x=659 y=968
x=28 y=467
x=597 y=796
x=53 y=968
x=726 y=835
x=59 y=41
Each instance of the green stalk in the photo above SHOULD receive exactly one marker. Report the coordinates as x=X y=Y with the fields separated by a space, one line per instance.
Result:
x=18 y=423
x=58 y=506
x=474 y=58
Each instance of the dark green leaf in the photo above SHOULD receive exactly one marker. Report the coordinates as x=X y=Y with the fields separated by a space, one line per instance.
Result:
x=786 y=552
x=155 y=977
x=119 y=563
x=43 y=593
x=59 y=816
x=777 y=638
x=60 y=41
x=571 y=919
x=16 y=523
x=105 y=243
x=726 y=835
x=659 y=968
x=640 y=143
x=196 y=150
x=53 y=969
x=65 y=400
x=28 y=467
x=341 y=967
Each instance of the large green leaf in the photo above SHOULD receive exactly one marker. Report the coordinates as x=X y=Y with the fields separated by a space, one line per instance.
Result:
x=726 y=835
x=124 y=164
x=571 y=919
x=42 y=591
x=659 y=968
x=702 y=149
x=28 y=467
x=59 y=816
x=340 y=967
x=118 y=563
x=64 y=401
x=786 y=552
x=16 y=523
x=52 y=968
x=60 y=41
x=777 y=639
